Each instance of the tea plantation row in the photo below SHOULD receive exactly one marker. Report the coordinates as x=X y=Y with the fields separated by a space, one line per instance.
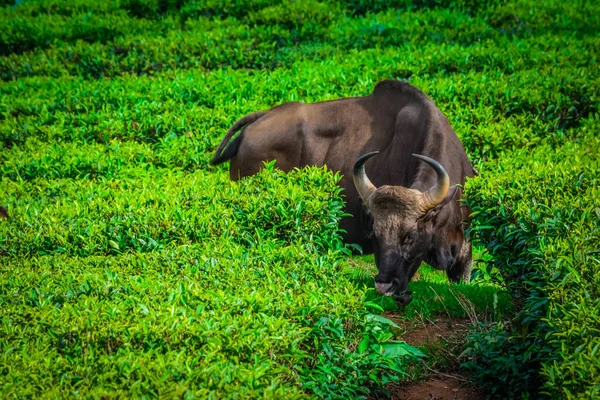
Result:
x=539 y=214
x=168 y=284
x=131 y=267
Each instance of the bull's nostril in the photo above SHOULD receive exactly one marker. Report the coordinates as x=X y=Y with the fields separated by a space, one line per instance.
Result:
x=383 y=288
x=404 y=299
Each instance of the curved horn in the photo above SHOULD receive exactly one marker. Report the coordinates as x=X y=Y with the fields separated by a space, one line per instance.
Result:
x=435 y=195
x=361 y=180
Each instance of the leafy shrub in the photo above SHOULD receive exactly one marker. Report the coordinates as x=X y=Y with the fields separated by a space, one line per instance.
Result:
x=502 y=365
x=525 y=18
x=223 y=8
x=203 y=288
x=539 y=214
x=360 y=7
x=21 y=34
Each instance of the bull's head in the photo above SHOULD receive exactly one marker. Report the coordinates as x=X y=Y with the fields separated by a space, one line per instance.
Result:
x=405 y=223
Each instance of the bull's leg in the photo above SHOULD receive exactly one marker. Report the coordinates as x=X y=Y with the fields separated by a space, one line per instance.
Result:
x=461 y=269
x=239 y=169
x=250 y=159
x=244 y=165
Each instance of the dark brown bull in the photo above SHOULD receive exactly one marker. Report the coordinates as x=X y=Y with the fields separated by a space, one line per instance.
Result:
x=403 y=210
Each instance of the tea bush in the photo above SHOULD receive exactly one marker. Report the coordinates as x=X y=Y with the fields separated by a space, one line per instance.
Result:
x=126 y=254
x=204 y=288
x=540 y=214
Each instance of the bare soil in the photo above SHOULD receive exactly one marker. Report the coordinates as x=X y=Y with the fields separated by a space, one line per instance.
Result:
x=436 y=389
x=441 y=333
x=419 y=333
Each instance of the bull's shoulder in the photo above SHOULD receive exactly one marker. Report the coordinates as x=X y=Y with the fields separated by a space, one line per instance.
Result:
x=393 y=87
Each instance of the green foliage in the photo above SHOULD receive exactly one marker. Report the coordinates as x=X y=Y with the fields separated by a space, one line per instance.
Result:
x=124 y=255
x=503 y=366
x=204 y=287
x=539 y=213
x=359 y=7
x=328 y=375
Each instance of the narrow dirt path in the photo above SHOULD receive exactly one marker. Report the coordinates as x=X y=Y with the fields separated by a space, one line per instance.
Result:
x=436 y=389
x=445 y=336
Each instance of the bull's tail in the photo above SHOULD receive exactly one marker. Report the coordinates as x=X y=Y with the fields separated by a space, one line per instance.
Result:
x=225 y=152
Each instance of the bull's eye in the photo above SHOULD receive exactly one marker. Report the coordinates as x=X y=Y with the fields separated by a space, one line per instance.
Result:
x=409 y=238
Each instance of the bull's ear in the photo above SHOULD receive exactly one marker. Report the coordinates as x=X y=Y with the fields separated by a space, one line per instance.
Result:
x=450 y=196
x=431 y=214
